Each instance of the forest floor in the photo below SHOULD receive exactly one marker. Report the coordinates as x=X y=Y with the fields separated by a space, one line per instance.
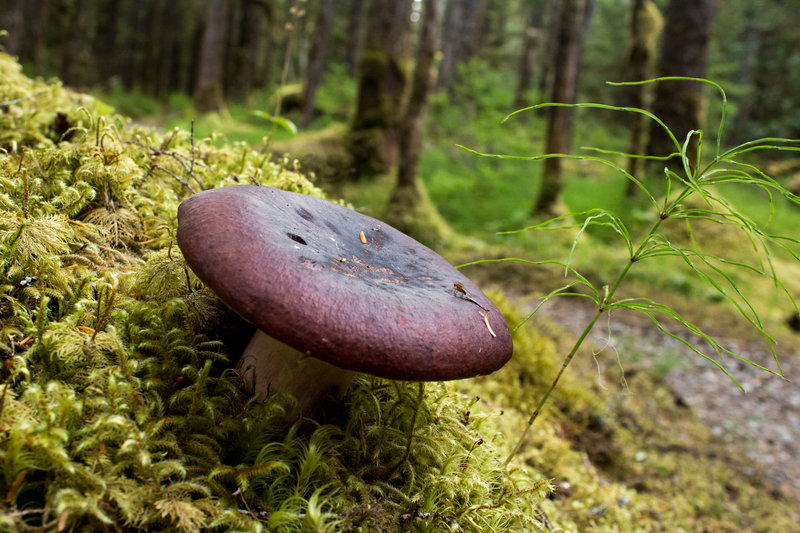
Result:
x=763 y=424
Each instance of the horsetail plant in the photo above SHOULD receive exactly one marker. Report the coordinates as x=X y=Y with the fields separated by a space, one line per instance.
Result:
x=696 y=178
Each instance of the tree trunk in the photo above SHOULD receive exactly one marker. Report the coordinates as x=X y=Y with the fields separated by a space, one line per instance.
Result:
x=645 y=26
x=76 y=54
x=463 y=22
x=300 y=59
x=772 y=53
x=549 y=41
x=171 y=64
x=409 y=208
x=684 y=52
x=565 y=87
x=530 y=51
x=411 y=126
x=156 y=52
x=318 y=57
x=105 y=45
x=13 y=21
x=135 y=42
x=245 y=59
x=39 y=16
x=208 y=87
x=373 y=138
x=355 y=34
x=189 y=56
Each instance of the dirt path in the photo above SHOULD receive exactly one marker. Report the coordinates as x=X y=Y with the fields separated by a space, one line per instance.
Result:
x=764 y=422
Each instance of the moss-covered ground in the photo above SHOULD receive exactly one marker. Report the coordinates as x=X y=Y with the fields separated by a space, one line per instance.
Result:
x=120 y=409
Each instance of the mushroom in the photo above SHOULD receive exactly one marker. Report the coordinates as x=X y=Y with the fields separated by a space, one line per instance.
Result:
x=334 y=292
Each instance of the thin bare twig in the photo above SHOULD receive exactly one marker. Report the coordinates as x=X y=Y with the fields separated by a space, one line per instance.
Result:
x=184 y=182
x=15 y=101
x=188 y=164
x=191 y=141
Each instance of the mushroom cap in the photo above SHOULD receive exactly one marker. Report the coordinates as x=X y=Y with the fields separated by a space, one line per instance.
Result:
x=340 y=286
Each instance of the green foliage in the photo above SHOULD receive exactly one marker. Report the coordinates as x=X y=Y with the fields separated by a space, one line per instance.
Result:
x=119 y=407
x=754 y=52
x=698 y=179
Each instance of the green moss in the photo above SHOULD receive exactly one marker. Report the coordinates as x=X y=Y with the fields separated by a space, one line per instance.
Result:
x=411 y=211
x=367 y=147
x=323 y=153
x=119 y=405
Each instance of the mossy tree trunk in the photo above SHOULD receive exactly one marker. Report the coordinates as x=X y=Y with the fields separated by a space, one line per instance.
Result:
x=412 y=124
x=409 y=208
x=645 y=26
x=684 y=52
x=374 y=136
x=208 y=87
x=572 y=20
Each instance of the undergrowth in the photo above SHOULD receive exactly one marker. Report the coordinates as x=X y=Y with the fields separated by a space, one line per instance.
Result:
x=119 y=407
x=693 y=197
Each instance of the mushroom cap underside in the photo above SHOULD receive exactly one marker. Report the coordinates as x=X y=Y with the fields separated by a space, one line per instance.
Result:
x=340 y=286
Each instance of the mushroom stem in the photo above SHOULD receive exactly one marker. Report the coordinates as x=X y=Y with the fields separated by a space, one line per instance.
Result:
x=270 y=367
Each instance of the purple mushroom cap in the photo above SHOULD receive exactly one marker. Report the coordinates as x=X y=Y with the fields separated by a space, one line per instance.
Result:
x=340 y=286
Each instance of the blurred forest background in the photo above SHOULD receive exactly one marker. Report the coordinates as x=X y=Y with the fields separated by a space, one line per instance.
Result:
x=159 y=48
x=346 y=69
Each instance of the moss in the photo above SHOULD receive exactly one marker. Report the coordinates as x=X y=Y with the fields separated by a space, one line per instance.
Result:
x=411 y=211
x=322 y=153
x=119 y=405
x=372 y=139
x=380 y=76
x=367 y=147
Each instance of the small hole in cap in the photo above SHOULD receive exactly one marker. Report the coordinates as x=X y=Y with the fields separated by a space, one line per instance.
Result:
x=296 y=238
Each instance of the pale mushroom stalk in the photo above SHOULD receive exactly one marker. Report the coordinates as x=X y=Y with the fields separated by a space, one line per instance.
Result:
x=269 y=367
